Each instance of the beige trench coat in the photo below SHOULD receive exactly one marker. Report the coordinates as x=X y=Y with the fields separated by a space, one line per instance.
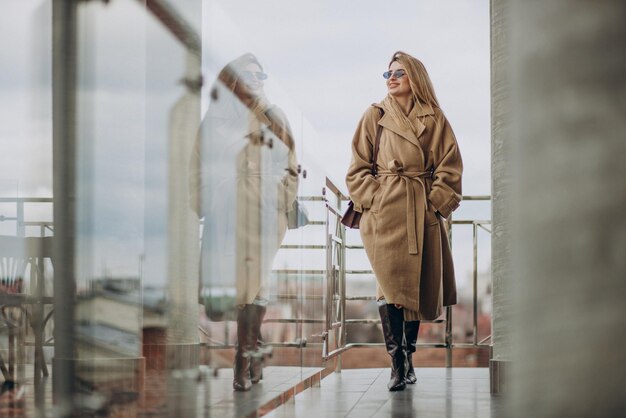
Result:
x=405 y=238
x=243 y=188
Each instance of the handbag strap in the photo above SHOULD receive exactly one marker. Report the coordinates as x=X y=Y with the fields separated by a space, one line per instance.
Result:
x=379 y=131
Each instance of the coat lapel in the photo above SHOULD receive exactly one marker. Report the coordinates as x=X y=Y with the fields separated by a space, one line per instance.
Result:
x=418 y=111
x=387 y=122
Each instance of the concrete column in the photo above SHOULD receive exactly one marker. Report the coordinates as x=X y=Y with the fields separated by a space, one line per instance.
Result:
x=570 y=269
x=172 y=346
x=182 y=349
x=500 y=196
x=183 y=237
x=176 y=344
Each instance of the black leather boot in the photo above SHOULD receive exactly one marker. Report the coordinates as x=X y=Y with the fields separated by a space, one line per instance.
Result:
x=392 y=320
x=411 y=328
x=256 y=366
x=241 y=368
x=256 y=360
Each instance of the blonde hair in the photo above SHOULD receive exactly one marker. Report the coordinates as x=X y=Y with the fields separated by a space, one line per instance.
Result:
x=421 y=86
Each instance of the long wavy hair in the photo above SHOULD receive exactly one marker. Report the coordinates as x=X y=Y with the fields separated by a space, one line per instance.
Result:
x=421 y=86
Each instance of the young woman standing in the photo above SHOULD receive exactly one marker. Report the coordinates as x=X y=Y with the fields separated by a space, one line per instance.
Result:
x=418 y=183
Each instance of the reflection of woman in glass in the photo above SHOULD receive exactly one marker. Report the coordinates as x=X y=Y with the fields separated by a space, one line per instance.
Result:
x=246 y=168
x=418 y=184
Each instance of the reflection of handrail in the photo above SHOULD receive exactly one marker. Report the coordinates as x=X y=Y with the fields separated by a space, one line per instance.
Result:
x=19 y=217
x=300 y=343
x=176 y=24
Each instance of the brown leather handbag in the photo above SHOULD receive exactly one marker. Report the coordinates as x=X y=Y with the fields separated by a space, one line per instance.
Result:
x=351 y=218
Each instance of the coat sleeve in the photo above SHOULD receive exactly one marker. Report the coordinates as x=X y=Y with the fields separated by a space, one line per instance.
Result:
x=282 y=129
x=290 y=180
x=445 y=193
x=362 y=185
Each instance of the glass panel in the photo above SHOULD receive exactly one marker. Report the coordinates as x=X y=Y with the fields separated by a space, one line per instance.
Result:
x=172 y=253
x=26 y=227
x=109 y=224
x=318 y=253
x=138 y=119
x=293 y=262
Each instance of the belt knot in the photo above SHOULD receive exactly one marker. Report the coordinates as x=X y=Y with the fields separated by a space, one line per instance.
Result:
x=396 y=167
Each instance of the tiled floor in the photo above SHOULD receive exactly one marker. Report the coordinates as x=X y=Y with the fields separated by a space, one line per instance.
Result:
x=184 y=395
x=272 y=391
x=361 y=393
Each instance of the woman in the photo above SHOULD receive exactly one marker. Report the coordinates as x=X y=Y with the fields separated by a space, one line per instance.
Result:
x=418 y=183
x=246 y=169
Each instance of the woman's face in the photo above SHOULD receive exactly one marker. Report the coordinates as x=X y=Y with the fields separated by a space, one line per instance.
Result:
x=398 y=85
x=253 y=76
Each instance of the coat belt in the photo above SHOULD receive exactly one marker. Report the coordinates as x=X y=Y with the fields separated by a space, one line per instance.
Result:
x=414 y=219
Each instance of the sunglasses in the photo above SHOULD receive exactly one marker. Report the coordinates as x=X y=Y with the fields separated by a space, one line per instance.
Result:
x=250 y=75
x=397 y=74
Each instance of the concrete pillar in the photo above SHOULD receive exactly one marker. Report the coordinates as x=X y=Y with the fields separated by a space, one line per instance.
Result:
x=500 y=196
x=570 y=267
x=183 y=236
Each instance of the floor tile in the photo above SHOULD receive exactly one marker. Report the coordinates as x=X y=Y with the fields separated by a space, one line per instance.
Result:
x=439 y=392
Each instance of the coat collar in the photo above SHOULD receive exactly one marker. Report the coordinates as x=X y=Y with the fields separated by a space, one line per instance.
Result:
x=422 y=110
x=418 y=111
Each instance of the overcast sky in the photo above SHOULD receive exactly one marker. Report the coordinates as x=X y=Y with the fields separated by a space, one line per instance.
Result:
x=329 y=58
x=324 y=59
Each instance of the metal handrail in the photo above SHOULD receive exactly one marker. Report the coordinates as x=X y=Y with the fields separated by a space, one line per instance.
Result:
x=335 y=296
x=341 y=345
x=21 y=224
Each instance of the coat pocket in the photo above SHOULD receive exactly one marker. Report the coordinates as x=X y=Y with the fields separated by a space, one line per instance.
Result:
x=378 y=198
x=431 y=215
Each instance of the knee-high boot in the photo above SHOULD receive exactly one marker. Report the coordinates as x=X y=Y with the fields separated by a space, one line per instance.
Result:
x=392 y=320
x=245 y=347
x=256 y=360
x=411 y=328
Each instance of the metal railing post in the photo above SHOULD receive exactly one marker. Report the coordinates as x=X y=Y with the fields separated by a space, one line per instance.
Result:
x=342 y=276
x=21 y=228
x=448 y=331
x=448 y=336
x=475 y=282
x=64 y=76
x=329 y=282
